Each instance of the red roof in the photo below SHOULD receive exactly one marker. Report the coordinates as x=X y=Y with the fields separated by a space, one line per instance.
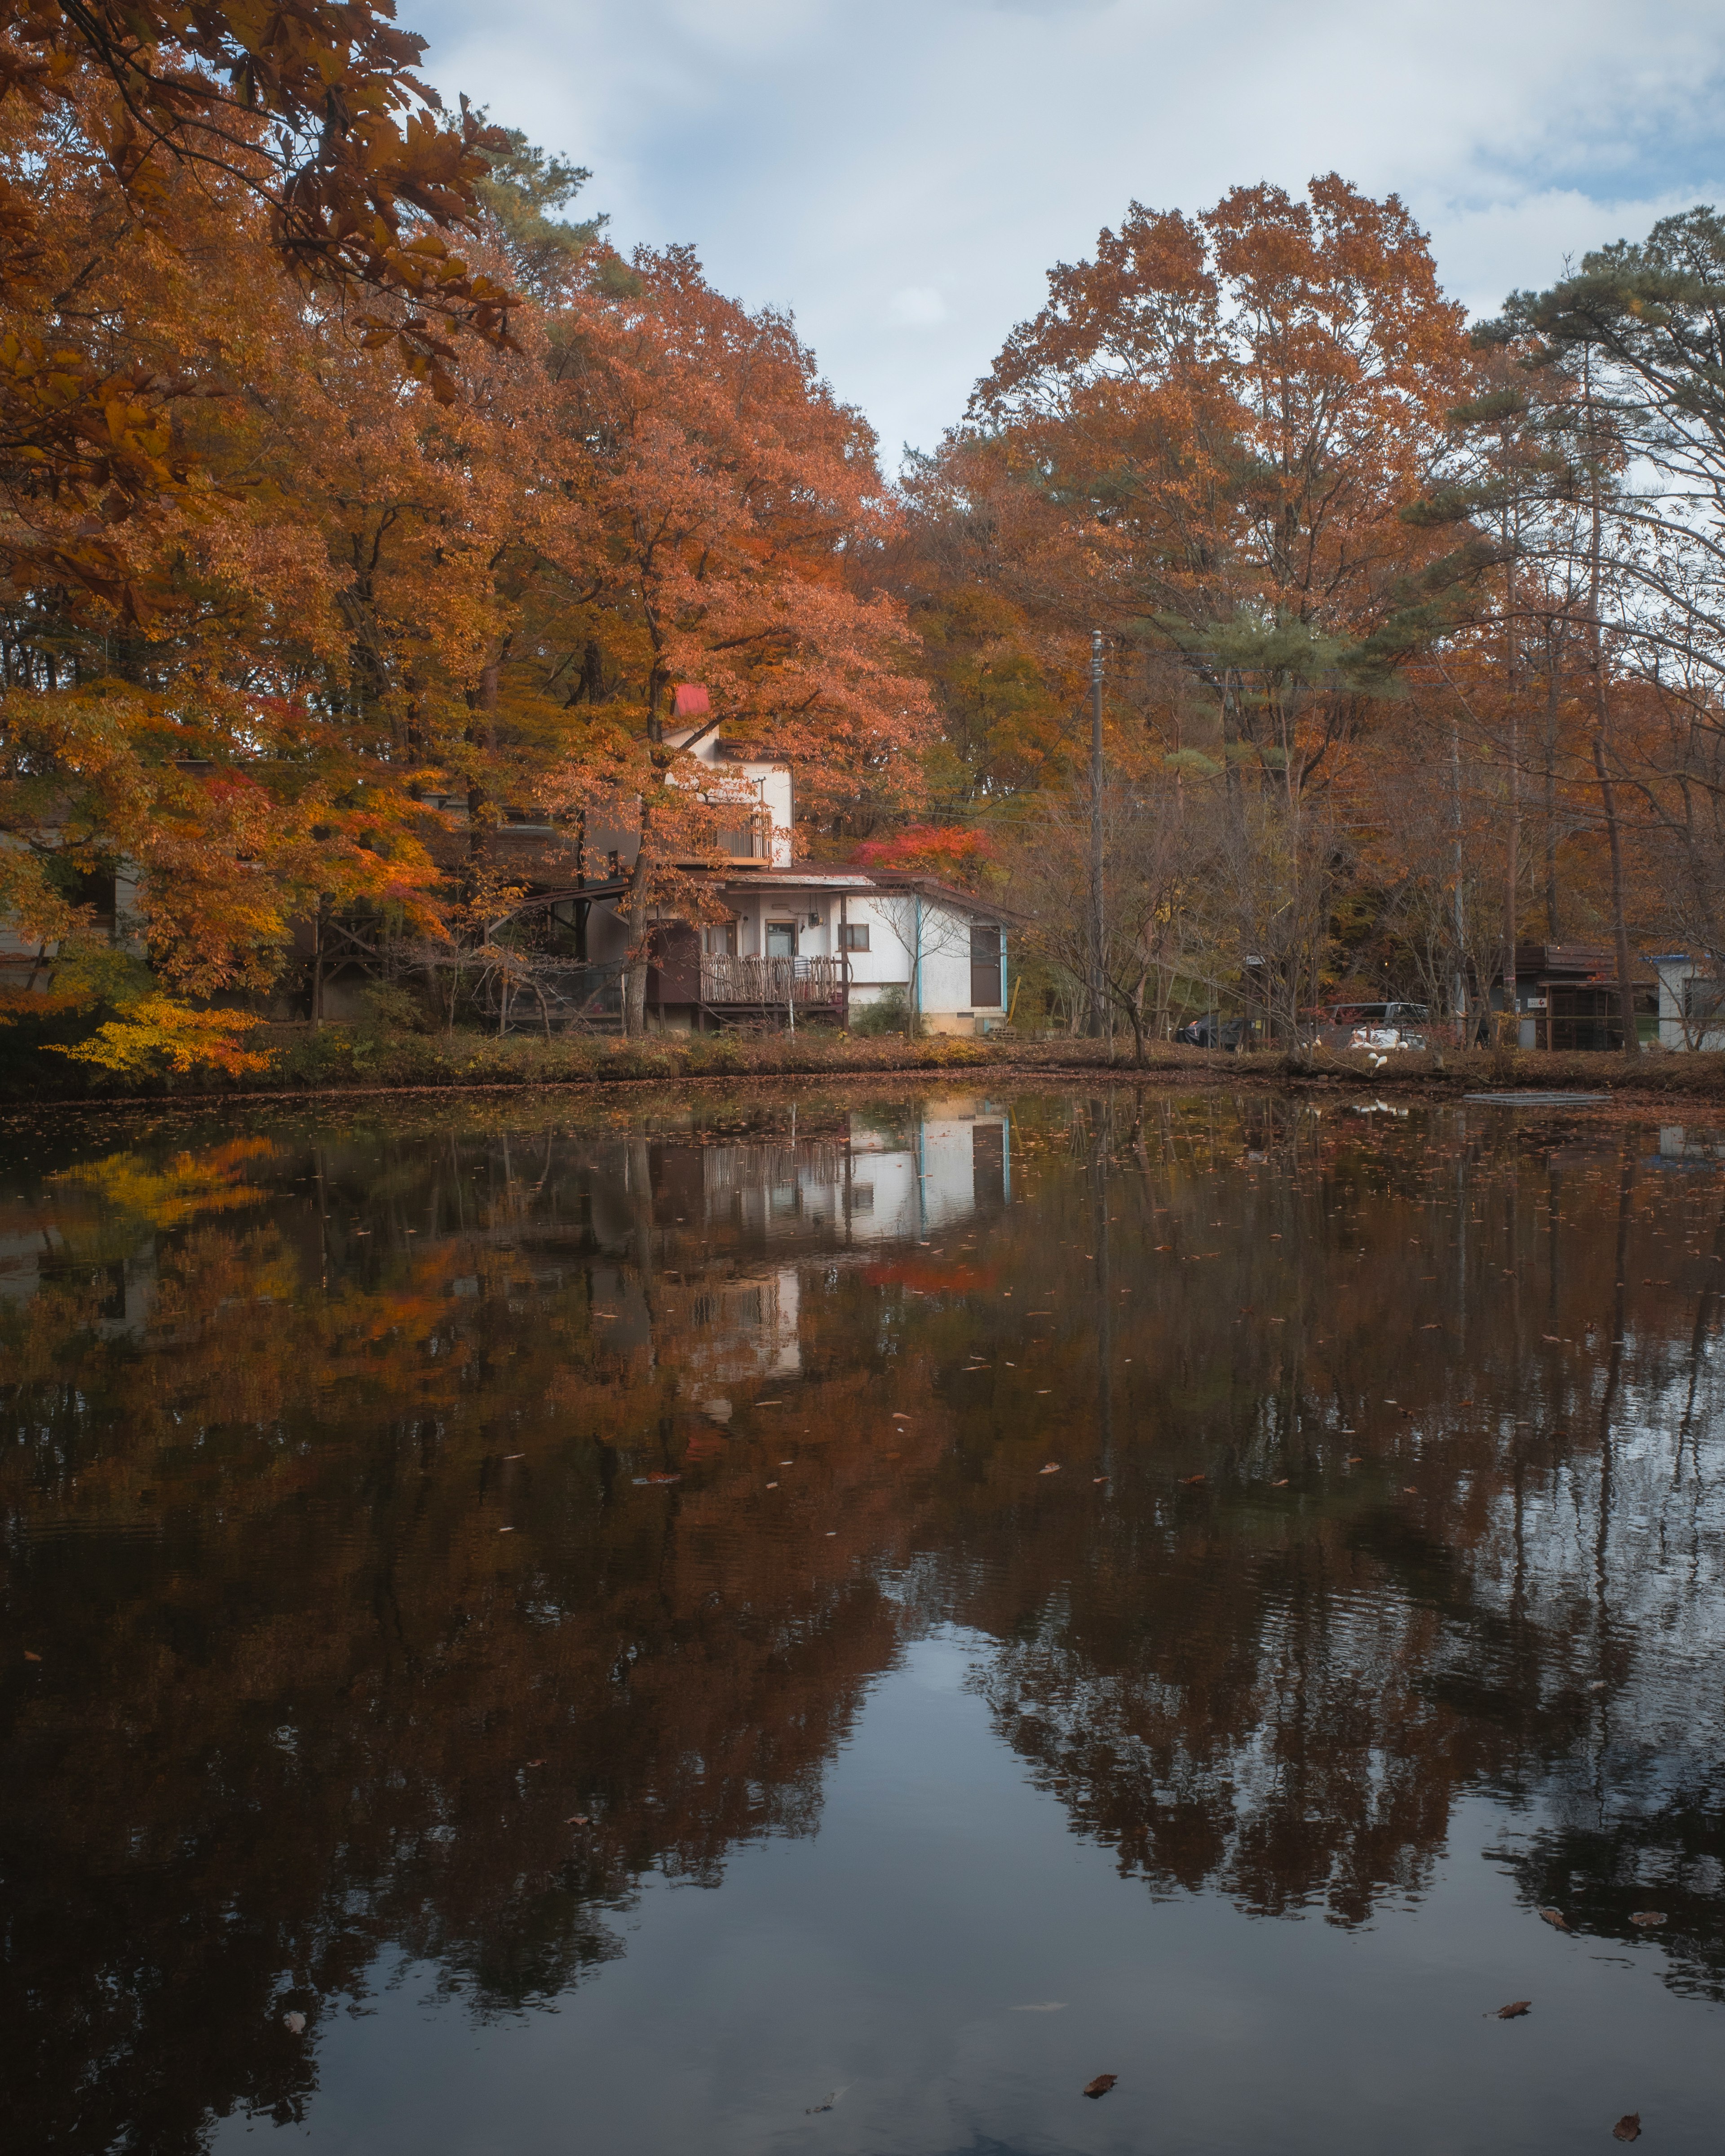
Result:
x=690 y=700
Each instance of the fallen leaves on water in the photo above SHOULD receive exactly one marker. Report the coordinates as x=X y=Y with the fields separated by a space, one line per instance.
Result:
x=1628 y=2127
x=813 y=2108
x=293 y=2023
x=641 y=1481
x=1052 y=1468
x=1556 y=1918
x=29 y=1657
x=535 y=1762
x=578 y=1819
x=1100 y=2086
x=1647 y=1918
x=1514 y=2011
x=1282 y=1485
x=1190 y=1481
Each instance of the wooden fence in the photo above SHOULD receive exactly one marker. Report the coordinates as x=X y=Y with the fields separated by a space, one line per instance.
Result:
x=725 y=979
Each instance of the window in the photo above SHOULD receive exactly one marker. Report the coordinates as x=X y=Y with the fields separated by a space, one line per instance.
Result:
x=853 y=935
x=720 y=942
x=780 y=939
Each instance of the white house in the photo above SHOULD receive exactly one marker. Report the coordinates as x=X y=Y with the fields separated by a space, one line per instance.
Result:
x=1692 y=1000
x=766 y=936
x=801 y=937
x=774 y=934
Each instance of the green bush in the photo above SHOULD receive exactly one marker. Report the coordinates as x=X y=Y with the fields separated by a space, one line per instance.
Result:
x=389 y=1008
x=883 y=1013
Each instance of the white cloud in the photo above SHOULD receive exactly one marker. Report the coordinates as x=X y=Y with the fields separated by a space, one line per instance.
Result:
x=811 y=149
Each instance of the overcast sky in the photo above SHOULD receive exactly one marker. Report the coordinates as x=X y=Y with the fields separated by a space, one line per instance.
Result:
x=900 y=174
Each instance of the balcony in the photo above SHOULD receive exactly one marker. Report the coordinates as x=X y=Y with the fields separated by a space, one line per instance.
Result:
x=771 y=981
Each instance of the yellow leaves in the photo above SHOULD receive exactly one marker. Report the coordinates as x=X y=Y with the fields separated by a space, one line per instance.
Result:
x=190 y=1184
x=157 y=1033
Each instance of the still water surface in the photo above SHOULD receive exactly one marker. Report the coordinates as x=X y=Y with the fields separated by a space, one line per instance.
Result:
x=825 y=1627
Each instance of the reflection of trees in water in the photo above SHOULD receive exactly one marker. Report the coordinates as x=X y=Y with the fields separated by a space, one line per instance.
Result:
x=295 y=1675
x=1282 y=1697
x=1305 y=1746
x=1658 y=1844
x=301 y=1703
x=1288 y=1706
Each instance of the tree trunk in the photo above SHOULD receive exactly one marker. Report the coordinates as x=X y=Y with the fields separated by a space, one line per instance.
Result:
x=482 y=812
x=1135 y=1012
x=634 y=972
x=1552 y=932
x=1602 y=721
x=1619 y=925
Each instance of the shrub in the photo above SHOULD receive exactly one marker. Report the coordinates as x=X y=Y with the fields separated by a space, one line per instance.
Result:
x=887 y=1013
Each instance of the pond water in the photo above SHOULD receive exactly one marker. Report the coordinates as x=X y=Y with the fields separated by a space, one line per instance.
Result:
x=827 y=1624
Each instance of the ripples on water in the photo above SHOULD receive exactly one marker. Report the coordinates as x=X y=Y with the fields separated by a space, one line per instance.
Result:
x=443 y=1536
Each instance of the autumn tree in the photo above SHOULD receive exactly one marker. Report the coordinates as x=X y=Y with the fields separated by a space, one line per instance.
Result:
x=315 y=114
x=1159 y=865
x=738 y=501
x=1227 y=416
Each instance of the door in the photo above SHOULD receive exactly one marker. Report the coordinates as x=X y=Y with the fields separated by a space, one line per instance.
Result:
x=985 y=969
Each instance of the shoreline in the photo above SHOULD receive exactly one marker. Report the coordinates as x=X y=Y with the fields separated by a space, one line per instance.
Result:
x=1654 y=1078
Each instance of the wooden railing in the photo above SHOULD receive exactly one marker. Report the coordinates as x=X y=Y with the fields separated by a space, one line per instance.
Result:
x=772 y=981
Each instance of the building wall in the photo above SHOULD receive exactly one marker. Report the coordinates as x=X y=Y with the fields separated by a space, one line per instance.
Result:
x=123 y=929
x=814 y=911
x=1674 y=975
x=770 y=785
x=889 y=962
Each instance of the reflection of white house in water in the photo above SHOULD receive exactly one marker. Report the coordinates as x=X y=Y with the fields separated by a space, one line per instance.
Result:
x=900 y=1182
x=1678 y=1144
x=877 y=1185
x=740 y=1329
x=127 y=1286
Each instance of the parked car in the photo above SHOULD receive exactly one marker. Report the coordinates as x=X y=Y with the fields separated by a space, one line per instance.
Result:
x=1212 y=1030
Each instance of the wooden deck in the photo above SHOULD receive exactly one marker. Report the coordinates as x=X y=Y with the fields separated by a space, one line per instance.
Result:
x=771 y=983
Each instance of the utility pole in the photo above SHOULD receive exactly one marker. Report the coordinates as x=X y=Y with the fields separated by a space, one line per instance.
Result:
x=1097 y=991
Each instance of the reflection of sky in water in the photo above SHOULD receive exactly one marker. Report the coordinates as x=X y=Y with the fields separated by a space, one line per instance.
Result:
x=950 y=1963
x=591 y=1596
